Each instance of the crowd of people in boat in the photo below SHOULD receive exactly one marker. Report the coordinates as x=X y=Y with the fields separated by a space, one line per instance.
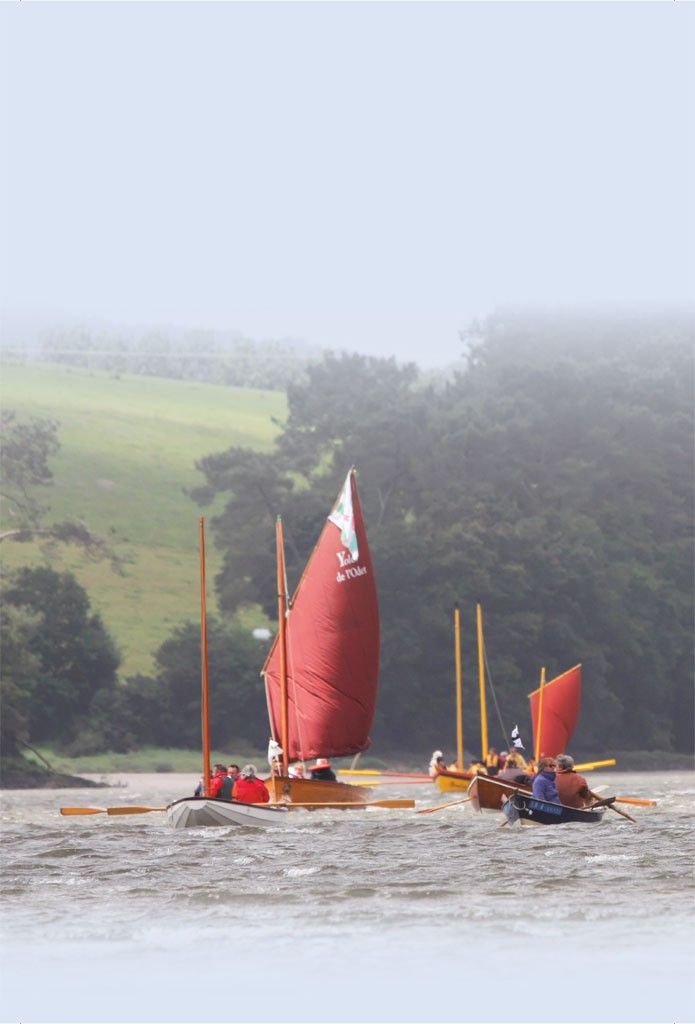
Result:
x=552 y=779
x=244 y=785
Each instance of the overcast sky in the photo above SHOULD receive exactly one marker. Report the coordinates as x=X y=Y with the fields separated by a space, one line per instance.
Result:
x=362 y=176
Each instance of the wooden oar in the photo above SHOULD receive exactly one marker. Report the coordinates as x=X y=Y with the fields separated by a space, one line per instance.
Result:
x=441 y=807
x=371 y=771
x=623 y=813
x=634 y=800
x=590 y=765
x=351 y=804
x=147 y=810
x=133 y=810
x=609 y=802
x=390 y=782
x=83 y=810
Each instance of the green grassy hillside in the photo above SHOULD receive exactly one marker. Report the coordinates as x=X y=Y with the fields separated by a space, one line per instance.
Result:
x=128 y=448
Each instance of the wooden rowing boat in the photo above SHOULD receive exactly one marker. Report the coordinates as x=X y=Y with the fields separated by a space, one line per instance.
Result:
x=488 y=793
x=202 y=812
x=526 y=809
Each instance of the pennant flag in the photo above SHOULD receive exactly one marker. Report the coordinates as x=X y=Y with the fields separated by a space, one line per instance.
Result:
x=344 y=518
x=516 y=739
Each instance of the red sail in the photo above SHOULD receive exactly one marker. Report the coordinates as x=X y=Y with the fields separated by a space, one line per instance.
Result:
x=332 y=642
x=559 y=713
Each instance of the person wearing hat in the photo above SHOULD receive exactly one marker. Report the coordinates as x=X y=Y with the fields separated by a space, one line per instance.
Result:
x=573 y=788
x=322 y=770
x=437 y=763
x=249 y=789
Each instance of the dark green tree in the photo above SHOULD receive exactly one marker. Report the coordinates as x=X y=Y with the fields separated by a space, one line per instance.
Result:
x=71 y=655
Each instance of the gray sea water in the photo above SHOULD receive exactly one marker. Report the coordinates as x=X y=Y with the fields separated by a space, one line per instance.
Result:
x=376 y=915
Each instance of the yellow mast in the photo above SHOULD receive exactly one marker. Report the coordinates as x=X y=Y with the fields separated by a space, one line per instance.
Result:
x=481 y=680
x=282 y=632
x=540 y=715
x=204 y=689
x=459 y=696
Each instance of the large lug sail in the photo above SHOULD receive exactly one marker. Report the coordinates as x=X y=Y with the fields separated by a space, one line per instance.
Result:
x=332 y=642
x=559 y=711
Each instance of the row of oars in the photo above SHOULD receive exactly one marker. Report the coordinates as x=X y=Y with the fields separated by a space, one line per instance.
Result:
x=399 y=804
x=608 y=802
x=396 y=804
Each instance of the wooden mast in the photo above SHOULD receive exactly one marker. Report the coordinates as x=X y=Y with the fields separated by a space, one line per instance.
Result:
x=282 y=633
x=204 y=688
x=540 y=716
x=481 y=681
x=459 y=696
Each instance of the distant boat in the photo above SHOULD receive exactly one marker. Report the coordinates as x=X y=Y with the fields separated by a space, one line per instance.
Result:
x=322 y=671
x=453 y=779
x=555 y=711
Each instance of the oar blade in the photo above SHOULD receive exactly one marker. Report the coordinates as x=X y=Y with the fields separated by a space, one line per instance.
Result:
x=83 y=810
x=636 y=801
x=133 y=810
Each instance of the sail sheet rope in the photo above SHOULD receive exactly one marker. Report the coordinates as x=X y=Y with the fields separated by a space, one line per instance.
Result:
x=505 y=732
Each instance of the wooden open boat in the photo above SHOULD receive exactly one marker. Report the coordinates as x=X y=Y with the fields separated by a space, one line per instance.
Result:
x=488 y=793
x=452 y=781
x=202 y=812
x=322 y=671
x=528 y=810
x=284 y=790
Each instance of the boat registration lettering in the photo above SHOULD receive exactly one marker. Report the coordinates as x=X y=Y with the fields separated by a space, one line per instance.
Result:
x=536 y=805
x=351 y=573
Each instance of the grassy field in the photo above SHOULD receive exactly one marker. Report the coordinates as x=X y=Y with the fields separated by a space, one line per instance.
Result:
x=128 y=451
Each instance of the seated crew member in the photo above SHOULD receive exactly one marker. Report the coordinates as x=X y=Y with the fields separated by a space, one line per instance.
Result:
x=249 y=789
x=477 y=767
x=515 y=760
x=296 y=771
x=544 y=787
x=221 y=784
x=492 y=761
x=437 y=763
x=322 y=770
x=573 y=788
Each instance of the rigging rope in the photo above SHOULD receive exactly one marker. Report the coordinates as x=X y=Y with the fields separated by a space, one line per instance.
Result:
x=505 y=733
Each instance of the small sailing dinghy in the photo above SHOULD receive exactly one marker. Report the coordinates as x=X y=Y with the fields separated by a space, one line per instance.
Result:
x=529 y=810
x=322 y=671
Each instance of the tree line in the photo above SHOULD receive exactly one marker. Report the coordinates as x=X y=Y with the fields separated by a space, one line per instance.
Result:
x=551 y=481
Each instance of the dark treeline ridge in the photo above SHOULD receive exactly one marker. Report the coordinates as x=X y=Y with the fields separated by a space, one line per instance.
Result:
x=551 y=481
x=212 y=357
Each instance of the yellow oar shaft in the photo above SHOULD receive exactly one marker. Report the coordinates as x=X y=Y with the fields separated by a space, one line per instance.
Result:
x=635 y=800
x=441 y=807
x=590 y=765
x=354 y=806
x=83 y=810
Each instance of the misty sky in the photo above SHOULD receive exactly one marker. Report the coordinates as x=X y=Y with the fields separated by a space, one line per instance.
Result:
x=363 y=176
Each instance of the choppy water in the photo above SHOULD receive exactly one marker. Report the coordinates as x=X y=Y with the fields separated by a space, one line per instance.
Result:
x=378 y=915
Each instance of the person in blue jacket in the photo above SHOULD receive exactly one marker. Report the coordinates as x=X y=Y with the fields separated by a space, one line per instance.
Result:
x=544 y=787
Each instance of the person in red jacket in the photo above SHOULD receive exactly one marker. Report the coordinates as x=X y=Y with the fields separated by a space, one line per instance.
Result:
x=219 y=783
x=573 y=788
x=249 y=789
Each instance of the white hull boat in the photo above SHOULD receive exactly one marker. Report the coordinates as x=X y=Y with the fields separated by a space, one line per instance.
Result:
x=200 y=812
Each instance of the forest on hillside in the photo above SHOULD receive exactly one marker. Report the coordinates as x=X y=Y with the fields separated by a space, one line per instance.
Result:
x=551 y=480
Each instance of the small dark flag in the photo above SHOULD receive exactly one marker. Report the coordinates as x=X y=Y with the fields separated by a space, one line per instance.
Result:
x=517 y=742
